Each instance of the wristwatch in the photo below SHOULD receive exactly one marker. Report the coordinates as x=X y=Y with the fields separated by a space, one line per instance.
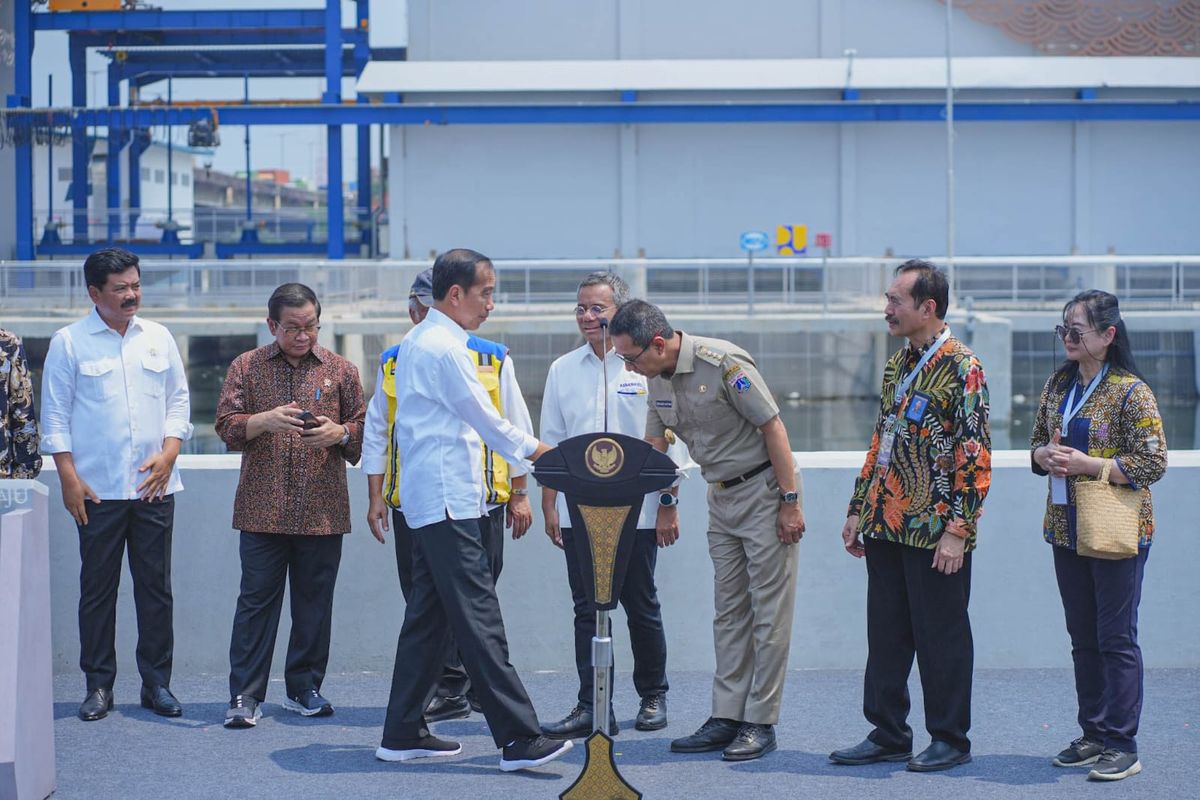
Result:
x=666 y=499
x=345 y=437
x=788 y=497
x=518 y=492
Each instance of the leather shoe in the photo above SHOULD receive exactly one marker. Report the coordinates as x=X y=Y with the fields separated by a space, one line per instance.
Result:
x=443 y=708
x=96 y=705
x=938 y=756
x=867 y=752
x=715 y=734
x=752 y=741
x=652 y=715
x=577 y=725
x=160 y=700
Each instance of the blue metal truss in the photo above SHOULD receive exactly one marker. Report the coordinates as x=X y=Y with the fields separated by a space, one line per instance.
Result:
x=143 y=67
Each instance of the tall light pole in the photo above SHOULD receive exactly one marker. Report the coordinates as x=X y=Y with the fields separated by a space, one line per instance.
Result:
x=950 y=150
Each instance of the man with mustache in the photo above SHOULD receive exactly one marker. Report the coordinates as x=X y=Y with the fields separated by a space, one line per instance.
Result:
x=115 y=412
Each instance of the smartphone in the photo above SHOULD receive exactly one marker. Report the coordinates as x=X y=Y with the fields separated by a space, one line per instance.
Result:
x=309 y=420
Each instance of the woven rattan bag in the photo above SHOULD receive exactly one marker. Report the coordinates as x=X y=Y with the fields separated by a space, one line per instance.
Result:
x=1106 y=517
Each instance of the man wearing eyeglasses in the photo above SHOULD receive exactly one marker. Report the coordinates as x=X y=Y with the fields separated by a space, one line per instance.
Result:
x=710 y=393
x=295 y=411
x=573 y=404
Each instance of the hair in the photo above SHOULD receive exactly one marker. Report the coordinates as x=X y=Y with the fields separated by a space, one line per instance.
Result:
x=931 y=284
x=292 y=295
x=109 y=261
x=456 y=267
x=641 y=322
x=620 y=289
x=1102 y=312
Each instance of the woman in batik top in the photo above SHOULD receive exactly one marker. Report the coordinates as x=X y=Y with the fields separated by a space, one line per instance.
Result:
x=18 y=424
x=1097 y=409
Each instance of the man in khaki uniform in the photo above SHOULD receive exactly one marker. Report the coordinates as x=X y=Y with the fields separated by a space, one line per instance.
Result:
x=709 y=392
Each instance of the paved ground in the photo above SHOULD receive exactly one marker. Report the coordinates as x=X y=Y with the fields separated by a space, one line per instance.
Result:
x=1022 y=717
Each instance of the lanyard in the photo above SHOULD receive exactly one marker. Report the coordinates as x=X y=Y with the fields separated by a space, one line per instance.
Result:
x=1069 y=412
x=903 y=386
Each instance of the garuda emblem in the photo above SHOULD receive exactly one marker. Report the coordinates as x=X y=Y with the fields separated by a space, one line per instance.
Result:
x=604 y=457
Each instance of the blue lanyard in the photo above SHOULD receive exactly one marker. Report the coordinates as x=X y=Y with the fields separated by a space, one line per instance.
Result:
x=903 y=386
x=1069 y=412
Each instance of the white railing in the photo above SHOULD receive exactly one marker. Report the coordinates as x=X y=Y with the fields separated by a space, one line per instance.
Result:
x=806 y=284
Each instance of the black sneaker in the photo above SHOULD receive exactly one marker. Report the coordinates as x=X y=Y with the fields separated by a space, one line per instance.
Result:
x=1080 y=753
x=243 y=712
x=1114 y=765
x=308 y=704
x=532 y=751
x=428 y=746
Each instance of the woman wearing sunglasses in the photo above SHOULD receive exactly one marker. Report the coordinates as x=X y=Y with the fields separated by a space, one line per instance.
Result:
x=1098 y=411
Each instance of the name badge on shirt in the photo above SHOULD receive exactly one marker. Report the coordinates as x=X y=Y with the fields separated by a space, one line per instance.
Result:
x=663 y=404
x=1058 y=490
x=916 y=406
x=887 y=437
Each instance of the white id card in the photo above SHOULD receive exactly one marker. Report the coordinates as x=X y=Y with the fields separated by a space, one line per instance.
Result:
x=1058 y=491
x=887 y=437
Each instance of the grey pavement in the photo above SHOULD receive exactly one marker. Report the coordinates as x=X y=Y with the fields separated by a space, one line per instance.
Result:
x=1021 y=718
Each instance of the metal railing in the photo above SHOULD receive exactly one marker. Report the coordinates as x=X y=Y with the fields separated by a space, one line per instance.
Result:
x=805 y=284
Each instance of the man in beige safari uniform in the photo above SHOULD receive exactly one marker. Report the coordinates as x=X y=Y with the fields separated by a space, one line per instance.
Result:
x=709 y=392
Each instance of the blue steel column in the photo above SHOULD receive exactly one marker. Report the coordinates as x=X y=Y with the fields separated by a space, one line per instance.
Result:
x=79 y=144
x=336 y=246
x=362 y=54
x=22 y=97
x=112 y=160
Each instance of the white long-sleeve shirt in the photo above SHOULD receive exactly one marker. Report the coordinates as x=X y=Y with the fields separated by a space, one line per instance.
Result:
x=442 y=411
x=574 y=404
x=110 y=400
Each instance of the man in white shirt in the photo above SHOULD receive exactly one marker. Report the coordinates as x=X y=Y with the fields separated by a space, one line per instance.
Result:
x=442 y=411
x=504 y=484
x=115 y=412
x=574 y=404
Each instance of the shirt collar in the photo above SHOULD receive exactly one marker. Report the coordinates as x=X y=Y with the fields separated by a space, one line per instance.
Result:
x=435 y=317
x=687 y=355
x=317 y=352
x=587 y=355
x=94 y=323
x=920 y=351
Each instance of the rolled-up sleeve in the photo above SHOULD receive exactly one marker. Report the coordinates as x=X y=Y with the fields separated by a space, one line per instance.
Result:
x=58 y=395
x=465 y=394
x=375 y=430
x=178 y=422
x=231 y=407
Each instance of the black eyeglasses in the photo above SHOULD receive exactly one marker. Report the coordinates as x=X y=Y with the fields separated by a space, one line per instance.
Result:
x=642 y=352
x=1072 y=335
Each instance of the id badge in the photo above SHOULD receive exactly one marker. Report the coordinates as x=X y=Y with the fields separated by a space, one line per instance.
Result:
x=886 y=439
x=1058 y=491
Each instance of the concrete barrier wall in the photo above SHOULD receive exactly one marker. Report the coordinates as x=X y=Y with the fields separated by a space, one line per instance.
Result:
x=1015 y=609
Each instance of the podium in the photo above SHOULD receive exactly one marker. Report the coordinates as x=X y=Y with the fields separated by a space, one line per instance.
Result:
x=605 y=478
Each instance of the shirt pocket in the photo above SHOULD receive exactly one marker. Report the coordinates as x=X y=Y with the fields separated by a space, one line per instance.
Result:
x=154 y=375
x=98 y=379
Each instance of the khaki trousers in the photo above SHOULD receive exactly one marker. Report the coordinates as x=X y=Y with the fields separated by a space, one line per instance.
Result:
x=754 y=594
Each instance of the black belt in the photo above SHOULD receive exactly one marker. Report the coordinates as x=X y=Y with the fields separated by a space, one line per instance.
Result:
x=743 y=478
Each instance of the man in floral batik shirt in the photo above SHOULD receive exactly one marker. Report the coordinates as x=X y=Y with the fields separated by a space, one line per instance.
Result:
x=916 y=505
x=18 y=423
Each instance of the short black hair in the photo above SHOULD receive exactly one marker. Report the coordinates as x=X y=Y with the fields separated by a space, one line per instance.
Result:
x=456 y=267
x=931 y=284
x=109 y=261
x=292 y=295
x=641 y=322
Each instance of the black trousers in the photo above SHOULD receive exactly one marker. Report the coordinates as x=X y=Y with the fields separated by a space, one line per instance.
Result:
x=639 y=598
x=454 y=681
x=1100 y=599
x=309 y=566
x=452 y=593
x=913 y=608
x=144 y=529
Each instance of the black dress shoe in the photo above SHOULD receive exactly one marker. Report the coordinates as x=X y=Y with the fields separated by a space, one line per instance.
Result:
x=867 y=752
x=96 y=705
x=715 y=734
x=937 y=757
x=752 y=741
x=160 y=700
x=652 y=715
x=443 y=708
x=473 y=701
x=577 y=725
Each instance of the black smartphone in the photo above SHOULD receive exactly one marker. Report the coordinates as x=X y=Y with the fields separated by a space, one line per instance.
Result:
x=309 y=419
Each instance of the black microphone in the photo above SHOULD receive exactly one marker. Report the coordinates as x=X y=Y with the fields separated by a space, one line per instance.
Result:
x=603 y=322
x=604 y=365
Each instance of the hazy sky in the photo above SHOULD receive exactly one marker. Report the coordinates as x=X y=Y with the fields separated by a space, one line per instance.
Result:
x=299 y=149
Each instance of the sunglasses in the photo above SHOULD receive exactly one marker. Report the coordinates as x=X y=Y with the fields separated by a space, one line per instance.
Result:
x=1072 y=335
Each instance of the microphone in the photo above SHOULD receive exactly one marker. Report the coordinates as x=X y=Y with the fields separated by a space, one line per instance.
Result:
x=604 y=365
